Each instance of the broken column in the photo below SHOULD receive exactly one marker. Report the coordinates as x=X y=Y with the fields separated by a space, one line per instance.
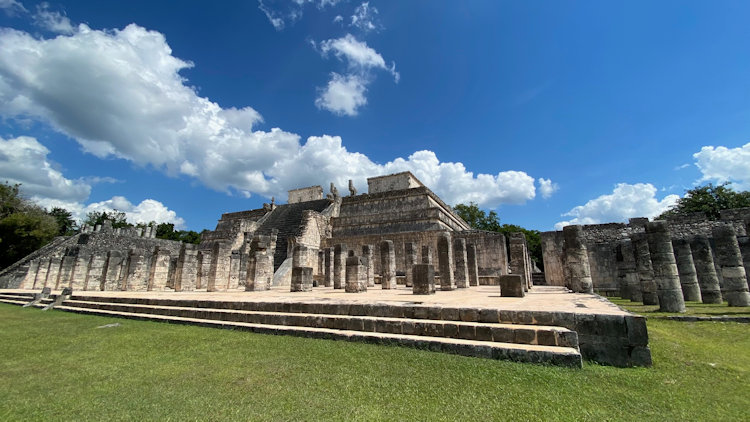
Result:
x=328 y=270
x=387 y=265
x=339 y=265
x=518 y=258
x=644 y=268
x=96 y=273
x=445 y=262
x=686 y=269
x=369 y=265
x=576 y=259
x=461 y=270
x=301 y=273
x=665 y=267
x=356 y=275
x=730 y=260
x=705 y=269
x=424 y=279
x=410 y=258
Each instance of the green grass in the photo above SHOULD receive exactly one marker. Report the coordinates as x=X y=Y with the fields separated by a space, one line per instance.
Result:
x=59 y=366
x=691 y=308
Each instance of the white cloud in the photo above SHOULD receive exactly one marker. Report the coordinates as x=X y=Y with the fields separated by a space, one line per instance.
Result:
x=12 y=7
x=722 y=164
x=546 y=187
x=343 y=95
x=365 y=18
x=338 y=19
x=625 y=201
x=24 y=160
x=358 y=55
x=279 y=12
x=119 y=93
x=52 y=21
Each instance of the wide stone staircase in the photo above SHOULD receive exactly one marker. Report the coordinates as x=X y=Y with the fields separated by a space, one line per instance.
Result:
x=462 y=331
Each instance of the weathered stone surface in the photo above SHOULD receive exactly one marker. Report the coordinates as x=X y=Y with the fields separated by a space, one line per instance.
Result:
x=339 y=265
x=424 y=279
x=28 y=280
x=445 y=262
x=732 y=270
x=471 y=262
x=627 y=272
x=519 y=259
x=686 y=270
x=356 y=275
x=302 y=279
x=387 y=265
x=644 y=268
x=96 y=274
x=410 y=258
x=512 y=285
x=53 y=273
x=367 y=260
x=329 y=259
x=461 y=270
x=665 y=268
x=705 y=269
x=744 y=243
x=112 y=272
x=426 y=254
x=576 y=261
x=159 y=271
x=80 y=270
x=187 y=270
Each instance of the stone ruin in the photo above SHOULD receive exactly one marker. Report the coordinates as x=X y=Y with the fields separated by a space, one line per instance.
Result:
x=311 y=240
x=665 y=263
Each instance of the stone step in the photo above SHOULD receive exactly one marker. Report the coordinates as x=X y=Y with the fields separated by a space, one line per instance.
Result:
x=554 y=355
x=506 y=333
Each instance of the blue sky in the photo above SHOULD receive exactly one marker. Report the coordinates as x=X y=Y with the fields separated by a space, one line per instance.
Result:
x=548 y=112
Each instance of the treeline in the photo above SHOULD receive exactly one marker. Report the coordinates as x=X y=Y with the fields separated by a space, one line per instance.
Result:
x=26 y=227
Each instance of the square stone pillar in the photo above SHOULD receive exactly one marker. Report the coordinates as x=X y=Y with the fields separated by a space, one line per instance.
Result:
x=369 y=264
x=445 y=262
x=472 y=264
x=356 y=275
x=328 y=267
x=426 y=254
x=302 y=279
x=113 y=269
x=410 y=259
x=53 y=273
x=28 y=280
x=159 y=271
x=235 y=259
x=424 y=279
x=40 y=280
x=387 y=264
x=519 y=257
x=512 y=285
x=97 y=272
x=66 y=271
x=80 y=271
x=137 y=272
x=339 y=265
x=187 y=270
x=461 y=270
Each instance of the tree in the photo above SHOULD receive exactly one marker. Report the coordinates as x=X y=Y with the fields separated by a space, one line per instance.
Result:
x=709 y=199
x=24 y=226
x=118 y=219
x=11 y=200
x=167 y=231
x=481 y=220
x=65 y=223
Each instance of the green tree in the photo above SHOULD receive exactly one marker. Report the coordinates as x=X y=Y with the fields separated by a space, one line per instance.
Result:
x=65 y=223
x=11 y=200
x=24 y=226
x=118 y=219
x=709 y=199
x=167 y=231
x=480 y=220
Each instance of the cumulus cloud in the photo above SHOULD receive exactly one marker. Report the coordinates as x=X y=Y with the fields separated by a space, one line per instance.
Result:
x=119 y=93
x=52 y=21
x=24 y=160
x=546 y=187
x=344 y=95
x=12 y=7
x=625 y=201
x=722 y=164
x=365 y=18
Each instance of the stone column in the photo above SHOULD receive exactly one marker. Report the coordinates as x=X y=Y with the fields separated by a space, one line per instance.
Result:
x=744 y=242
x=387 y=264
x=80 y=270
x=28 y=280
x=329 y=258
x=732 y=271
x=187 y=269
x=339 y=265
x=369 y=264
x=301 y=273
x=686 y=269
x=321 y=262
x=445 y=262
x=635 y=294
x=96 y=272
x=644 y=268
x=53 y=273
x=66 y=271
x=410 y=258
x=136 y=277
x=576 y=259
x=159 y=271
x=622 y=281
x=518 y=258
x=426 y=254
x=40 y=280
x=424 y=279
x=705 y=269
x=665 y=267
x=112 y=271
x=356 y=275
x=461 y=270
x=235 y=258
x=471 y=261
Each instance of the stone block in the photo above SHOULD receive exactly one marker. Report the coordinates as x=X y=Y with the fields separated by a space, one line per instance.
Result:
x=511 y=285
x=424 y=280
x=301 y=279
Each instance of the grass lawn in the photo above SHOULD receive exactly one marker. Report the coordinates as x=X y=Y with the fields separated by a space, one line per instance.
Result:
x=691 y=308
x=60 y=366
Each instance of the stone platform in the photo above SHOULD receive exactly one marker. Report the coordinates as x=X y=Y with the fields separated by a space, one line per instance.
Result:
x=547 y=325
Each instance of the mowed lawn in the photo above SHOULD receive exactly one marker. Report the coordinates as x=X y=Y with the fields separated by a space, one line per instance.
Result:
x=59 y=366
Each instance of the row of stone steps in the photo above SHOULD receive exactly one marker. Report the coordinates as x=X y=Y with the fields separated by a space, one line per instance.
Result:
x=524 y=343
